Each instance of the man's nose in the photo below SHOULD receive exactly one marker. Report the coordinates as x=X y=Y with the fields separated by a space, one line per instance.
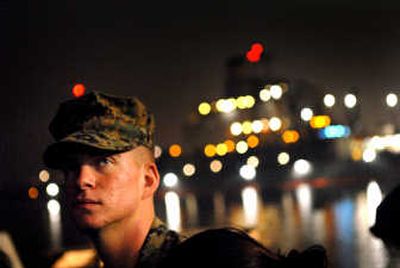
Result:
x=86 y=178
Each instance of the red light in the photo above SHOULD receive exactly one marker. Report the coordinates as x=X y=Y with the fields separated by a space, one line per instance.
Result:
x=255 y=52
x=252 y=56
x=78 y=90
x=257 y=48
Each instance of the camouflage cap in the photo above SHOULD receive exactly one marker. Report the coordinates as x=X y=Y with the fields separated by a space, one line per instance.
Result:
x=101 y=122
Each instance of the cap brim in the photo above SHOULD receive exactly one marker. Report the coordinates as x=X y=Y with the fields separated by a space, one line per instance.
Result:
x=57 y=154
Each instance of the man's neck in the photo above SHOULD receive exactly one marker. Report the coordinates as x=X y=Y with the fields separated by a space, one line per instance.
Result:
x=119 y=244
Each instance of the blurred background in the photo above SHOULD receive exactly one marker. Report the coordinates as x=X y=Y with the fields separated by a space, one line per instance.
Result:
x=280 y=117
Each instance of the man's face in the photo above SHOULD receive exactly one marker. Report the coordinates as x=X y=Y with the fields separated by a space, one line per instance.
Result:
x=105 y=189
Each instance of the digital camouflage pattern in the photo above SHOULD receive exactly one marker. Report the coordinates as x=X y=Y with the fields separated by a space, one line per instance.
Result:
x=158 y=243
x=100 y=121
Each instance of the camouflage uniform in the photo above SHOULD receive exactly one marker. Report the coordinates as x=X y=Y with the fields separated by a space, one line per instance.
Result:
x=98 y=122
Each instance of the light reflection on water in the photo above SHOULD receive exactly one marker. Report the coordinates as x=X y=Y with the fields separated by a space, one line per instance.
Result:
x=299 y=218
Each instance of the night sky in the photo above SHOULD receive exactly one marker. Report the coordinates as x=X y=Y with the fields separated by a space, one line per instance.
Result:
x=173 y=55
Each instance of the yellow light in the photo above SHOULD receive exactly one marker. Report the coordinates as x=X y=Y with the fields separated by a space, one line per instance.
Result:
x=230 y=145
x=247 y=127
x=236 y=128
x=253 y=161
x=33 y=193
x=320 y=121
x=257 y=126
x=216 y=166
x=204 y=108
x=210 y=150
x=265 y=95
x=222 y=149
x=175 y=150
x=242 y=147
x=356 y=154
x=241 y=102
x=290 y=136
x=250 y=101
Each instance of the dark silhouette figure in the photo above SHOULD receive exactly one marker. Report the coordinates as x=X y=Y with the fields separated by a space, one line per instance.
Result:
x=233 y=248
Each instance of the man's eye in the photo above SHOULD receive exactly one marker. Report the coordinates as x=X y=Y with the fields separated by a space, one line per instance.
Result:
x=104 y=161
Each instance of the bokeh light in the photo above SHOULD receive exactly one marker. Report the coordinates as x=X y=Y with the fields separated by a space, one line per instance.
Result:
x=210 y=150
x=247 y=127
x=170 y=179
x=175 y=150
x=320 y=121
x=230 y=145
x=391 y=100
x=242 y=147
x=275 y=123
x=252 y=141
x=306 y=114
x=33 y=192
x=253 y=161
x=350 y=100
x=53 y=206
x=189 y=169
x=302 y=167
x=290 y=136
x=216 y=166
x=265 y=95
x=236 y=128
x=52 y=189
x=329 y=100
x=44 y=175
x=78 y=90
x=222 y=149
x=276 y=92
x=283 y=158
x=257 y=126
x=204 y=108
x=157 y=151
x=247 y=172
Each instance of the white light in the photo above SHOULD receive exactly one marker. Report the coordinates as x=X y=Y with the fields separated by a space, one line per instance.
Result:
x=350 y=100
x=236 y=128
x=374 y=198
x=265 y=95
x=369 y=155
x=242 y=147
x=329 y=100
x=283 y=158
x=44 y=175
x=52 y=189
x=250 y=205
x=170 y=179
x=306 y=114
x=276 y=91
x=391 y=100
x=275 y=123
x=226 y=106
x=257 y=126
x=302 y=167
x=53 y=207
x=253 y=161
x=247 y=172
x=189 y=170
x=157 y=151
x=173 y=210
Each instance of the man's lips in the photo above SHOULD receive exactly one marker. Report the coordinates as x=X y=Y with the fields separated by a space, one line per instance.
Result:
x=85 y=203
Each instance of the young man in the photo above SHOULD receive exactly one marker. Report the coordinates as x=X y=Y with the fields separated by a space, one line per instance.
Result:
x=104 y=146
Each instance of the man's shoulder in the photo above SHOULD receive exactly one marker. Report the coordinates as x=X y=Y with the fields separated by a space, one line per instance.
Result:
x=159 y=241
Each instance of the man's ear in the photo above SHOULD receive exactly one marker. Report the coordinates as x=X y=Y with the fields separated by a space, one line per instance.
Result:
x=152 y=180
